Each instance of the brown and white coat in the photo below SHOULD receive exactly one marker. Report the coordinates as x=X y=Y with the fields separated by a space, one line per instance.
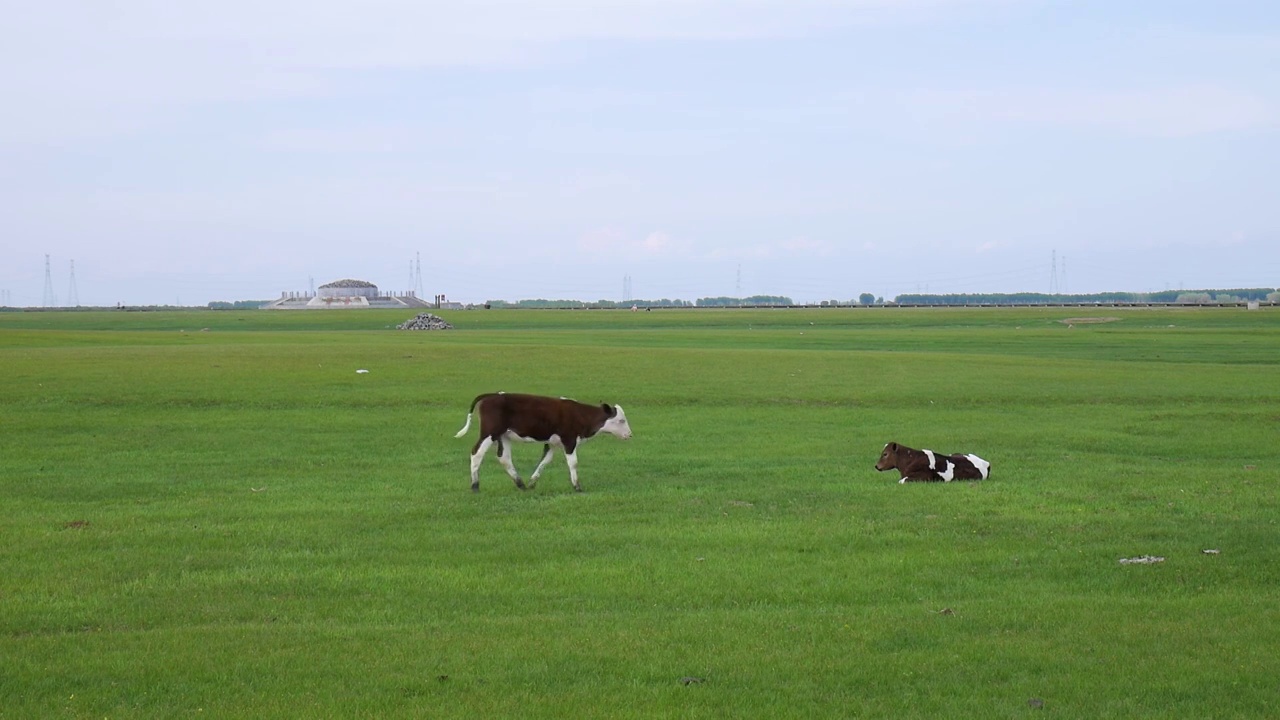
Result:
x=555 y=422
x=928 y=466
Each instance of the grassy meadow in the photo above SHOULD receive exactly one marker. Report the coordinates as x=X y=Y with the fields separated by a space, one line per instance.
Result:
x=213 y=514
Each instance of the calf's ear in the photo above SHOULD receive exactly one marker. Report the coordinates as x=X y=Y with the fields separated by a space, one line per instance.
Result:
x=608 y=409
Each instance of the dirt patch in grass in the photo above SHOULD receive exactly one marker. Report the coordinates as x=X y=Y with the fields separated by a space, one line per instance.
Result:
x=1088 y=320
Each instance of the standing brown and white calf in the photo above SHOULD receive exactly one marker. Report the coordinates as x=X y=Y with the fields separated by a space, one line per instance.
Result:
x=928 y=466
x=533 y=418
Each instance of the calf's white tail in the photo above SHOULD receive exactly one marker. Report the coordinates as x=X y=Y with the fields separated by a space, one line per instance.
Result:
x=465 y=428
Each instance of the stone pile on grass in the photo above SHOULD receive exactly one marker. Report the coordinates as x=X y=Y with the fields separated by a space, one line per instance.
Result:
x=425 y=321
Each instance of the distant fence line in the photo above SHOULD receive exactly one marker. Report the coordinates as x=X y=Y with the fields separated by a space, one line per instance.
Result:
x=1249 y=304
x=890 y=306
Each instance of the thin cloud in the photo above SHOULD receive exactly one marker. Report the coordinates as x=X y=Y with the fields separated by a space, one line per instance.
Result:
x=614 y=243
x=140 y=64
x=1179 y=111
x=806 y=246
x=793 y=248
x=657 y=243
x=675 y=140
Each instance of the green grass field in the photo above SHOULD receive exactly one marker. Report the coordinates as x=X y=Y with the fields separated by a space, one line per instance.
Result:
x=213 y=514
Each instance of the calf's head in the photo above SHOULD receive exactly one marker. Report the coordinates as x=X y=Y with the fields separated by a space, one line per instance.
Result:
x=888 y=457
x=615 y=421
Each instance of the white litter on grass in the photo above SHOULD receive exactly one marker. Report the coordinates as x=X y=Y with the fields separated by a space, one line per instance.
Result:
x=361 y=371
x=1210 y=552
x=1142 y=560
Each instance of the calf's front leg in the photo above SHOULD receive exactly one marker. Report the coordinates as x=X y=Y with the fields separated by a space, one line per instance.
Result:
x=572 y=459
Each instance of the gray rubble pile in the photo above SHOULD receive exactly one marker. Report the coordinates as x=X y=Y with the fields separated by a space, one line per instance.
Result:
x=425 y=321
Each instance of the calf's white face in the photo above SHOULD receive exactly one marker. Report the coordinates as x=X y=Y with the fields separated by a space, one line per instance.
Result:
x=617 y=425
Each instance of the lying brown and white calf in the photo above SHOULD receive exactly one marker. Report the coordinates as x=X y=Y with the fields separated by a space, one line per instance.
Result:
x=928 y=466
x=532 y=418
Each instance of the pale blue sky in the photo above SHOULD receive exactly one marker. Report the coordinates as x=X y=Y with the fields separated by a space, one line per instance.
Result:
x=221 y=150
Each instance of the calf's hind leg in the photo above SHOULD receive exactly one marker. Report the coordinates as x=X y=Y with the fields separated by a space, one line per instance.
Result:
x=477 y=457
x=546 y=458
x=504 y=457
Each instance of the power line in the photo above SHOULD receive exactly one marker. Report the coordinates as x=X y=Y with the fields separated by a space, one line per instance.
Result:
x=50 y=300
x=1053 y=274
x=73 y=295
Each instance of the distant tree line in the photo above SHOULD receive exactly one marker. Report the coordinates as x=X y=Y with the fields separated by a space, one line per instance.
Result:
x=664 y=302
x=753 y=300
x=606 y=304
x=1029 y=298
x=237 y=305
